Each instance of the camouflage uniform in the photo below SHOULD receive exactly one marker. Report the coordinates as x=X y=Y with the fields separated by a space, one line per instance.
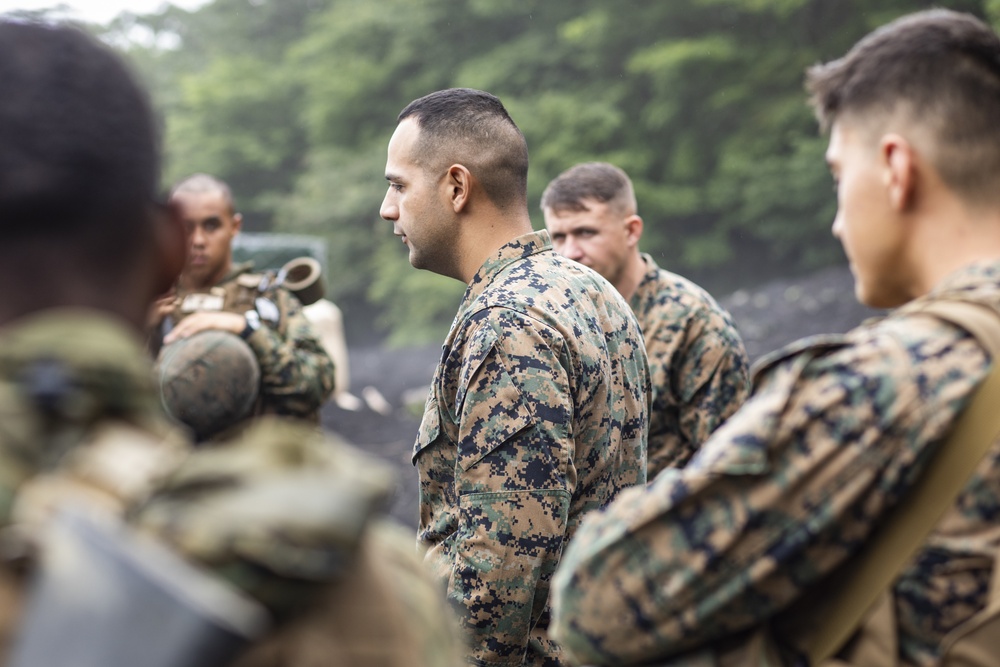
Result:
x=288 y=515
x=836 y=429
x=81 y=423
x=536 y=415
x=296 y=372
x=282 y=512
x=697 y=365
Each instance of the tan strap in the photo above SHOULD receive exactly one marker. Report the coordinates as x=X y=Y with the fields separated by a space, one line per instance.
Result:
x=909 y=524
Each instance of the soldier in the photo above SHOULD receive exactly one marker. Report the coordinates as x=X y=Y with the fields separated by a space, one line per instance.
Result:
x=686 y=570
x=283 y=514
x=212 y=293
x=537 y=411
x=697 y=363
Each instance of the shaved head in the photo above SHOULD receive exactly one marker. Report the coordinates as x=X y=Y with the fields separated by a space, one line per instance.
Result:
x=472 y=128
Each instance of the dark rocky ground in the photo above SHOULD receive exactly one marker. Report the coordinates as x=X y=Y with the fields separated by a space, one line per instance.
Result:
x=768 y=316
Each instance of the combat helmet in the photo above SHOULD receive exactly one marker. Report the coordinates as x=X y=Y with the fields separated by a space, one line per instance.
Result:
x=208 y=381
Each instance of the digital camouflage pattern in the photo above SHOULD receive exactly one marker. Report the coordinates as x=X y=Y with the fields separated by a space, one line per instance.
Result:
x=698 y=365
x=296 y=372
x=209 y=381
x=536 y=415
x=836 y=429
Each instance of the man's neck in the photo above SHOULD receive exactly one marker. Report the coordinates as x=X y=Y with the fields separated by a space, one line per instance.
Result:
x=488 y=236
x=961 y=237
x=635 y=270
x=191 y=283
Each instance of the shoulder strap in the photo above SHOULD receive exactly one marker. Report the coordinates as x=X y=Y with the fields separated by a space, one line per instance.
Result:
x=906 y=528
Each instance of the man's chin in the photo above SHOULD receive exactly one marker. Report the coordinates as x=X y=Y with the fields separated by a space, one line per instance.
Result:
x=878 y=300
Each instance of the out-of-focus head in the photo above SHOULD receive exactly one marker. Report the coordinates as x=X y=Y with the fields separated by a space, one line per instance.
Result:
x=458 y=126
x=919 y=95
x=590 y=212
x=80 y=160
x=211 y=222
x=933 y=75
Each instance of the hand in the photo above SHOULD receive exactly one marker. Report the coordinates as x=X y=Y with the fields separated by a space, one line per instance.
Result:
x=204 y=321
x=160 y=309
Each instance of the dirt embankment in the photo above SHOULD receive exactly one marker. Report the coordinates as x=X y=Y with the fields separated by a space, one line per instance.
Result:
x=768 y=316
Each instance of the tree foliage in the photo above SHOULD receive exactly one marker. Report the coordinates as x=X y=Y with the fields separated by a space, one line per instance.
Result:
x=701 y=101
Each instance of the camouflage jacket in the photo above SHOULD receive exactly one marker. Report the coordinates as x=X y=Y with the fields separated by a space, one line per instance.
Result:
x=80 y=423
x=697 y=364
x=536 y=415
x=291 y=517
x=836 y=429
x=297 y=374
x=280 y=510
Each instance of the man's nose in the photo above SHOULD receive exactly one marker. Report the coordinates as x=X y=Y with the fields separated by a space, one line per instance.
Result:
x=388 y=210
x=197 y=237
x=571 y=249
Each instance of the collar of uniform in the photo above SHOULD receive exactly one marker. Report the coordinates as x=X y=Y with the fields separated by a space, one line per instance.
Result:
x=971 y=281
x=92 y=353
x=649 y=278
x=512 y=251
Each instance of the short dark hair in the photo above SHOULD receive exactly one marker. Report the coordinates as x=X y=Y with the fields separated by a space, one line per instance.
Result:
x=79 y=149
x=202 y=184
x=600 y=181
x=942 y=69
x=472 y=127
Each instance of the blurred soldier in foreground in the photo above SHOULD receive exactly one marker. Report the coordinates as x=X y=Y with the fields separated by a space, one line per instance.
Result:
x=537 y=411
x=697 y=363
x=296 y=373
x=284 y=515
x=838 y=427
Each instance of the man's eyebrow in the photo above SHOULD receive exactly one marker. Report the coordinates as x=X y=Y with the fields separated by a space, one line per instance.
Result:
x=392 y=177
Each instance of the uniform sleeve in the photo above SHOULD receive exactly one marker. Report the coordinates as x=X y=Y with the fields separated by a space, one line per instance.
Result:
x=777 y=498
x=297 y=374
x=700 y=377
x=514 y=479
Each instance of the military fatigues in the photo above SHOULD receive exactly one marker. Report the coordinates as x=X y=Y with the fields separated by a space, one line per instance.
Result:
x=296 y=372
x=290 y=517
x=836 y=430
x=697 y=365
x=537 y=414
x=80 y=424
x=284 y=513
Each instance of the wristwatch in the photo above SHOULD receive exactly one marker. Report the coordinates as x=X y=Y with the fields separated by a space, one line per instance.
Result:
x=253 y=323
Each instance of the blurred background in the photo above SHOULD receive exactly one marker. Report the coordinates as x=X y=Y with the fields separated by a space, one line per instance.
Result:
x=292 y=102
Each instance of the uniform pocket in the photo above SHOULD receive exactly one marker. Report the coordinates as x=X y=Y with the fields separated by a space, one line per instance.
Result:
x=493 y=410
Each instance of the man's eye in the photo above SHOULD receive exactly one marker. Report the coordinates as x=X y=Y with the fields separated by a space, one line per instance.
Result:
x=396 y=186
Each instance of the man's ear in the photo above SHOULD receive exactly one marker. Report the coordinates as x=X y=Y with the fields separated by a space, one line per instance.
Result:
x=899 y=164
x=633 y=230
x=237 y=223
x=458 y=187
x=170 y=247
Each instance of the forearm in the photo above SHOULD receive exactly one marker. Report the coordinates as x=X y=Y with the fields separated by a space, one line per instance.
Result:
x=296 y=372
